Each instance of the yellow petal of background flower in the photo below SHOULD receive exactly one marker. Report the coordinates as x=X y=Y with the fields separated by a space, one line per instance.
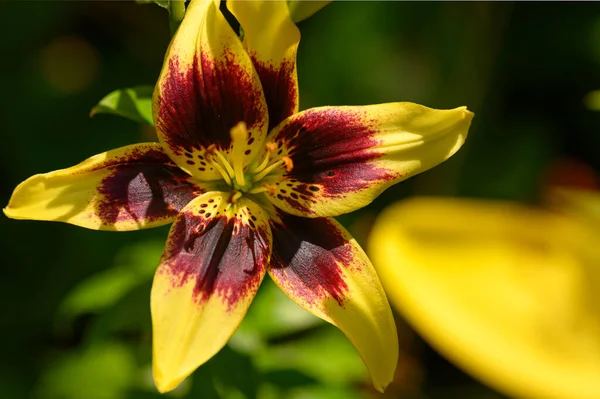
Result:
x=128 y=188
x=212 y=266
x=302 y=9
x=507 y=292
x=344 y=157
x=318 y=264
x=271 y=39
x=206 y=87
x=584 y=204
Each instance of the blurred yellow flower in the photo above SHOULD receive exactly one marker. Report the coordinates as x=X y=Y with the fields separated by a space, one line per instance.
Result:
x=507 y=292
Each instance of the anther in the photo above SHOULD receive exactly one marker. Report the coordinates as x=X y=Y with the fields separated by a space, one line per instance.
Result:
x=270 y=188
x=214 y=156
x=289 y=164
x=211 y=149
x=271 y=147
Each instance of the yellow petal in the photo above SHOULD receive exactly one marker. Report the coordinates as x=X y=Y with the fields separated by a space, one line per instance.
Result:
x=206 y=87
x=344 y=157
x=212 y=266
x=271 y=38
x=584 y=204
x=507 y=292
x=302 y=9
x=321 y=267
x=129 y=188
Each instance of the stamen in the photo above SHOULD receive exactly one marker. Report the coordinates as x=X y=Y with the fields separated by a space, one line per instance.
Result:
x=223 y=160
x=268 y=169
x=266 y=187
x=211 y=156
x=271 y=147
x=224 y=174
x=239 y=138
x=262 y=165
x=210 y=150
x=289 y=164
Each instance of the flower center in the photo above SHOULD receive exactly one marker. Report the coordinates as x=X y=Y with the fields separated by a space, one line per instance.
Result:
x=246 y=174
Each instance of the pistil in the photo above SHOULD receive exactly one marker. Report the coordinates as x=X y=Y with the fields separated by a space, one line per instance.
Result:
x=239 y=138
x=231 y=166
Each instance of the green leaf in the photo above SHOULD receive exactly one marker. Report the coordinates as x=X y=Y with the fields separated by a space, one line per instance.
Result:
x=326 y=355
x=133 y=103
x=176 y=12
x=272 y=315
x=135 y=265
x=103 y=370
x=162 y=3
x=287 y=379
x=228 y=375
x=129 y=318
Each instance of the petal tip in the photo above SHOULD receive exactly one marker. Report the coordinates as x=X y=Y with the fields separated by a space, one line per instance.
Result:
x=12 y=213
x=382 y=382
x=461 y=128
x=165 y=383
x=464 y=114
x=381 y=387
x=467 y=115
x=383 y=377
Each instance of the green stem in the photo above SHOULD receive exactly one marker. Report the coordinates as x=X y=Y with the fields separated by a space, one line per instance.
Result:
x=176 y=12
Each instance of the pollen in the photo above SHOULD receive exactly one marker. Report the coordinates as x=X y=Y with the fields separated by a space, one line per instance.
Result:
x=270 y=188
x=288 y=163
x=211 y=149
x=271 y=147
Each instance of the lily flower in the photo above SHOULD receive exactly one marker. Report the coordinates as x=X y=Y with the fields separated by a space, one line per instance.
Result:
x=512 y=299
x=250 y=185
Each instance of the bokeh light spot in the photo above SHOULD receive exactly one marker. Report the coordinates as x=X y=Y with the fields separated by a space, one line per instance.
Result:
x=69 y=64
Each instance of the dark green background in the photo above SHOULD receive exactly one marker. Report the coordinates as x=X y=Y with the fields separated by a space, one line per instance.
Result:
x=523 y=68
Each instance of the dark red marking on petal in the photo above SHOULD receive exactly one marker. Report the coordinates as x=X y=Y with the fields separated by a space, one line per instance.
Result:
x=280 y=90
x=198 y=107
x=331 y=148
x=144 y=186
x=305 y=256
x=222 y=255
